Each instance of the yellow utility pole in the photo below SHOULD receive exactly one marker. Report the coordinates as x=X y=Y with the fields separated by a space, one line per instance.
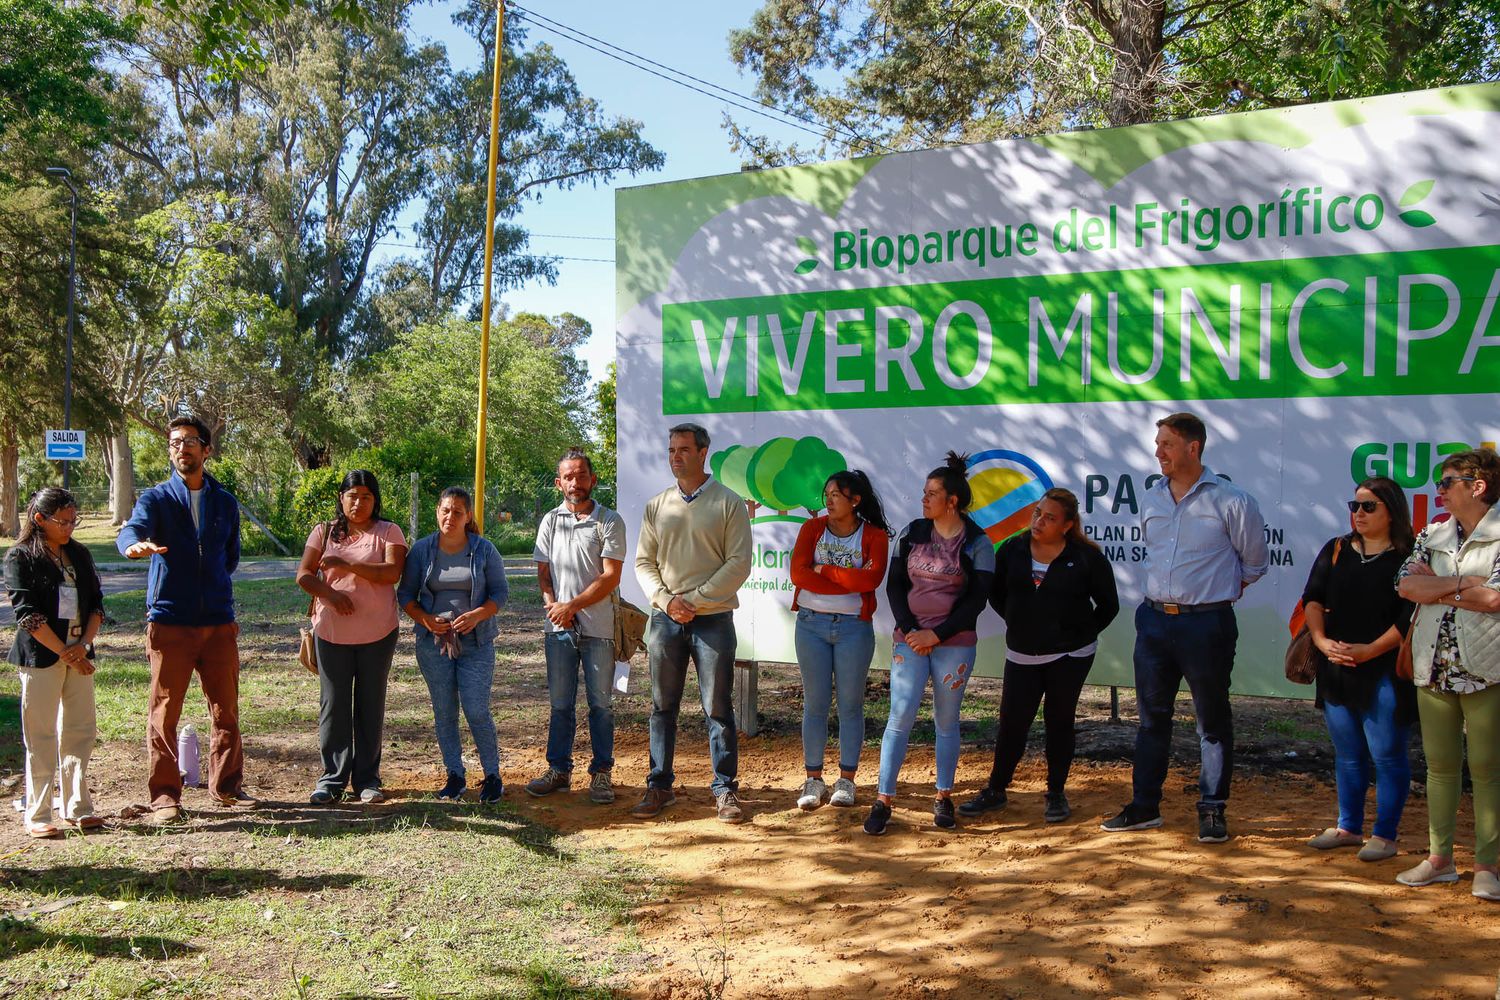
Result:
x=489 y=267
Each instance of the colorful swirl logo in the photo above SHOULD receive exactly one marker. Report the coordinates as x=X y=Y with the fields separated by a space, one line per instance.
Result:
x=1007 y=486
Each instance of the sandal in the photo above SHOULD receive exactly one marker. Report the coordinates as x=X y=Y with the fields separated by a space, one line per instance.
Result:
x=42 y=831
x=89 y=822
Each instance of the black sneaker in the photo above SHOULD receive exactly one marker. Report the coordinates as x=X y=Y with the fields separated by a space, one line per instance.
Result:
x=1057 y=808
x=987 y=800
x=1211 y=828
x=454 y=789
x=880 y=815
x=942 y=813
x=491 y=789
x=325 y=796
x=1132 y=818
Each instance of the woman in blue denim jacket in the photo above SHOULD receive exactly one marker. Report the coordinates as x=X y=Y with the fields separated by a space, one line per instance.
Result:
x=452 y=587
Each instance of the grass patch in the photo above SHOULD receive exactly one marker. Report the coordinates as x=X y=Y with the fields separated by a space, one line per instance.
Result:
x=1293 y=729
x=415 y=898
x=424 y=901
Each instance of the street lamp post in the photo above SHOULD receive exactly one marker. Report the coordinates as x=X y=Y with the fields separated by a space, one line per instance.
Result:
x=66 y=176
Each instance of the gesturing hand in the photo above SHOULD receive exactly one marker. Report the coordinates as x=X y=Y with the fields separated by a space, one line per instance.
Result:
x=141 y=550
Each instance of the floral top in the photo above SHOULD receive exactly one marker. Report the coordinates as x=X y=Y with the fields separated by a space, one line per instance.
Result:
x=1448 y=673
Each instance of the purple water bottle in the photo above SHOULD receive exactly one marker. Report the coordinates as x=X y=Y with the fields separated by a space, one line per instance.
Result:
x=187 y=756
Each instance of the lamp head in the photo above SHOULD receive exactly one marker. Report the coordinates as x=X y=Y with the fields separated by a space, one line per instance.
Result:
x=59 y=172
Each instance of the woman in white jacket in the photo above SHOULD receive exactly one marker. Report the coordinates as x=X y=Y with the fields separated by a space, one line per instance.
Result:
x=1453 y=575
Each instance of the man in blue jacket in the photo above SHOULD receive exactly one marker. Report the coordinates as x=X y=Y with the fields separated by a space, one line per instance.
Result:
x=189 y=527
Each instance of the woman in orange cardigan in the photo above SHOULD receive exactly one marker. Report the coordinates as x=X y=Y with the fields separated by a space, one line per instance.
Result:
x=838 y=563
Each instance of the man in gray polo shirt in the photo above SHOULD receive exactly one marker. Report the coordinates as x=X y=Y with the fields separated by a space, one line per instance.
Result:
x=580 y=548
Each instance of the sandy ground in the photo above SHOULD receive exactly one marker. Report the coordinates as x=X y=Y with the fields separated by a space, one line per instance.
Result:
x=806 y=905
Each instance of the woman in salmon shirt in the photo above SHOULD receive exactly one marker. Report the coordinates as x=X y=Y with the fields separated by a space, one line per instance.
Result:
x=837 y=564
x=351 y=566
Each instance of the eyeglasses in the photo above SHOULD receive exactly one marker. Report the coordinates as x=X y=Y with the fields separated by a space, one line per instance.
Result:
x=1368 y=506
x=1446 y=483
x=66 y=524
x=177 y=444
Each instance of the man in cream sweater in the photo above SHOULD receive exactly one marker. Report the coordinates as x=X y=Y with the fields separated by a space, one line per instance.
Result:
x=693 y=555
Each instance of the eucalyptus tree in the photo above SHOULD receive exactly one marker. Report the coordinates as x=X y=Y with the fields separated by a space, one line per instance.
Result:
x=348 y=126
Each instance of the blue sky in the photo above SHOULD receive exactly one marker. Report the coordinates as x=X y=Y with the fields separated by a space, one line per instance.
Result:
x=685 y=126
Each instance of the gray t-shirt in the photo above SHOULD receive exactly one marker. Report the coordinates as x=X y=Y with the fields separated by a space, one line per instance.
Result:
x=451 y=581
x=575 y=549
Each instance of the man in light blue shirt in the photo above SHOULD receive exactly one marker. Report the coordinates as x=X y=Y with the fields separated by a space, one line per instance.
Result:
x=1205 y=543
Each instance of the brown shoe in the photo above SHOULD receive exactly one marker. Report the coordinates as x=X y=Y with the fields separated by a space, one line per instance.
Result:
x=162 y=815
x=553 y=781
x=239 y=800
x=729 y=807
x=653 y=802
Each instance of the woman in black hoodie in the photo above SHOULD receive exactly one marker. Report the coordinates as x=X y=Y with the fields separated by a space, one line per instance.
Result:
x=1056 y=592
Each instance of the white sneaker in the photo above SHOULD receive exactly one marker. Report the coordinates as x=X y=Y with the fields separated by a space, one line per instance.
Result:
x=814 y=794
x=843 y=793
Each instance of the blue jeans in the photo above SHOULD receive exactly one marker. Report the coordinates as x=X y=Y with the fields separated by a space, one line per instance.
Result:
x=709 y=641
x=833 y=649
x=1360 y=739
x=566 y=653
x=465 y=681
x=950 y=668
x=1169 y=649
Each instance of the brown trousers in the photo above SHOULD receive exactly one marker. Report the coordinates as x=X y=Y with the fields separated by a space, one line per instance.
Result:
x=175 y=652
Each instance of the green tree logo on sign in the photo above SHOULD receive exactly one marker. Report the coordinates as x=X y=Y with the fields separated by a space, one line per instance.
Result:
x=782 y=474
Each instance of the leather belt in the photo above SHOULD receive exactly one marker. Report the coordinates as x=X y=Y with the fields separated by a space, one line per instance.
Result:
x=1168 y=608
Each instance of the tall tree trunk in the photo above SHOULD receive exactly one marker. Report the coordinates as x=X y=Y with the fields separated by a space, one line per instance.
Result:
x=10 y=485
x=1134 y=85
x=121 y=464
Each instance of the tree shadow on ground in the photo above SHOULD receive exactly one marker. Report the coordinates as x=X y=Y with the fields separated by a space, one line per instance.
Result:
x=17 y=937
x=173 y=884
x=280 y=820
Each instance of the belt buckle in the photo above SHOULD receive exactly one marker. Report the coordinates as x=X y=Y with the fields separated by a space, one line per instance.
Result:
x=1171 y=609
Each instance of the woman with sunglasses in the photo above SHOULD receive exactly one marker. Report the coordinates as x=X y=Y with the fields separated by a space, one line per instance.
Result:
x=59 y=607
x=351 y=566
x=838 y=561
x=1356 y=621
x=1453 y=575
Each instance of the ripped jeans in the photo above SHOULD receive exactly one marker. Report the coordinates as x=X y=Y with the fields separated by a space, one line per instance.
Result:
x=950 y=668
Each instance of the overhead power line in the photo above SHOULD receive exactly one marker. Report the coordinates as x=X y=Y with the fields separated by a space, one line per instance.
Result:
x=735 y=98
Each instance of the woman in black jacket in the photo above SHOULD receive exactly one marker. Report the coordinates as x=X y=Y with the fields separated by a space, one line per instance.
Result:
x=59 y=607
x=1056 y=592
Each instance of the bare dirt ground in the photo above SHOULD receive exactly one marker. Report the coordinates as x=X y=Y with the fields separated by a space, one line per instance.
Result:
x=795 y=904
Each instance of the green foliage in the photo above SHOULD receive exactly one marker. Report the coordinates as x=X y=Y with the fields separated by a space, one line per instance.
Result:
x=881 y=74
x=439 y=461
x=605 y=394
x=783 y=474
x=1321 y=50
x=430 y=379
x=51 y=82
x=229 y=33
